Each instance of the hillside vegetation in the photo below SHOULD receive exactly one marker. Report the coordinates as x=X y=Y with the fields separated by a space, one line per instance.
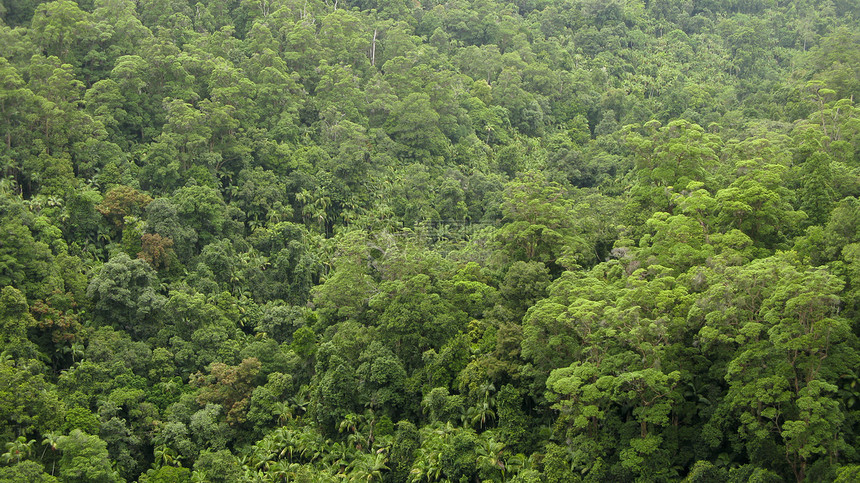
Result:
x=405 y=241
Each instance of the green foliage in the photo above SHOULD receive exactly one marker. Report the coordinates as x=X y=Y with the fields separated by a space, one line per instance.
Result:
x=555 y=241
x=229 y=387
x=28 y=402
x=26 y=471
x=25 y=263
x=406 y=443
x=539 y=221
x=220 y=466
x=124 y=292
x=166 y=474
x=382 y=379
x=85 y=458
x=82 y=419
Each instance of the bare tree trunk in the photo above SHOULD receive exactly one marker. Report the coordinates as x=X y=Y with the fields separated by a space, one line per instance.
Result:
x=373 y=49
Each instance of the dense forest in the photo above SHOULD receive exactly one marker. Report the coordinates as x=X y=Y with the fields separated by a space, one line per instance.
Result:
x=404 y=241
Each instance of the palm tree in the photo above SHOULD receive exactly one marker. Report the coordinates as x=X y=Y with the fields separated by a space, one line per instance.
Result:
x=8 y=186
x=284 y=410
x=360 y=428
x=479 y=414
x=284 y=439
x=254 y=476
x=427 y=467
x=54 y=201
x=255 y=223
x=340 y=456
x=368 y=467
x=483 y=411
x=264 y=453
x=50 y=441
x=284 y=471
x=33 y=204
x=300 y=401
x=485 y=390
x=312 y=444
x=199 y=476
x=18 y=449
x=164 y=455
x=428 y=461
x=76 y=349
x=490 y=454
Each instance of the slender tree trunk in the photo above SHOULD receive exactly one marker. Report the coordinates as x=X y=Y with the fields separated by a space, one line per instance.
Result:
x=373 y=49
